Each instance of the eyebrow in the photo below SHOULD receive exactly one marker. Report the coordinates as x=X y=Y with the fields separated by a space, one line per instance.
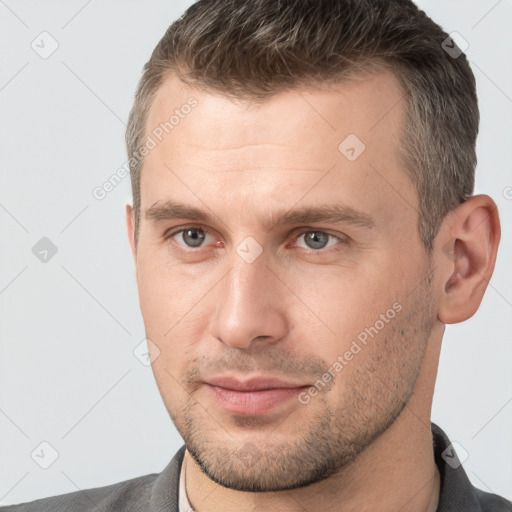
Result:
x=335 y=213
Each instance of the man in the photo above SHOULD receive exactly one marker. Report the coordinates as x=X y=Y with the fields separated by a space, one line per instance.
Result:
x=303 y=227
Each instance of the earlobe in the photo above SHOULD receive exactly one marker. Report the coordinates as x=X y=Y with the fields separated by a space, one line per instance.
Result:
x=130 y=227
x=466 y=245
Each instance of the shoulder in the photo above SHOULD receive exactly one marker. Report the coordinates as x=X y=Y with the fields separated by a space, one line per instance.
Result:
x=457 y=491
x=492 y=502
x=128 y=495
x=152 y=493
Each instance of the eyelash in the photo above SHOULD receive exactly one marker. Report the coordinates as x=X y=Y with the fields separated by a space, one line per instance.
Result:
x=344 y=240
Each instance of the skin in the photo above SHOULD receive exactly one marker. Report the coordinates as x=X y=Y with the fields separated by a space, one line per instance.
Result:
x=363 y=440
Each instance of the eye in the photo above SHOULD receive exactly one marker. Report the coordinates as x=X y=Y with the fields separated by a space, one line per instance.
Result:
x=191 y=236
x=194 y=237
x=317 y=240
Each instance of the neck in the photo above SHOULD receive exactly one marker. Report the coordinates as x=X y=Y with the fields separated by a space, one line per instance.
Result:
x=396 y=472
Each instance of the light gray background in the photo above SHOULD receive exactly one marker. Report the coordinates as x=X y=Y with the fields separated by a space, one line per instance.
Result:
x=68 y=375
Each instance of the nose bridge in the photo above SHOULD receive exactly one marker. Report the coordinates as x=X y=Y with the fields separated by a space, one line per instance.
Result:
x=249 y=281
x=248 y=306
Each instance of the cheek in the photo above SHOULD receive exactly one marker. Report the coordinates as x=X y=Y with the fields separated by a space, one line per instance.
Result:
x=166 y=292
x=174 y=316
x=347 y=302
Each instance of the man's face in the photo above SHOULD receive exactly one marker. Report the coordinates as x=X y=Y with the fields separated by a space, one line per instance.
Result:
x=286 y=348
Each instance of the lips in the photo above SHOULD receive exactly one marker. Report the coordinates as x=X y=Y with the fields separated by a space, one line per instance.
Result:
x=253 y=384
x=254 y=396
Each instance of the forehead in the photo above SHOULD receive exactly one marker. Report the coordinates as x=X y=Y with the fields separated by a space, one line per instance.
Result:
x=282 y=145
x=366 y=104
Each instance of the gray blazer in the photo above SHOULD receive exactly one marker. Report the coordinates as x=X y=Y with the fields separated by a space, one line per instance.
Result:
x=159 y=492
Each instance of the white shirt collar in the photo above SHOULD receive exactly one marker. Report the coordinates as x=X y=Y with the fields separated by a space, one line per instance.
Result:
x=184 y=504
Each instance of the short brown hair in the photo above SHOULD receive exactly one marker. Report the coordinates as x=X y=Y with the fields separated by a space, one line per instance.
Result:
x=252 y=49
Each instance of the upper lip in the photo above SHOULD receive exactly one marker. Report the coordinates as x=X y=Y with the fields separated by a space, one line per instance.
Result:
x=252 y=384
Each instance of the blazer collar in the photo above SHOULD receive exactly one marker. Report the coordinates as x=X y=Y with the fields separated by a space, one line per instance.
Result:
x=456 y=491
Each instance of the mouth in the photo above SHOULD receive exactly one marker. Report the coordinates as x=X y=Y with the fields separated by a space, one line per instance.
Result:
x=254 y=396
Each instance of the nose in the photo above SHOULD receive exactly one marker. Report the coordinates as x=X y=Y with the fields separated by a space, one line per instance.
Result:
x=250 y=306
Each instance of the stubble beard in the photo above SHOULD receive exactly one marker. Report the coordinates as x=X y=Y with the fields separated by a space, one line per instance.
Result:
x=331 y=433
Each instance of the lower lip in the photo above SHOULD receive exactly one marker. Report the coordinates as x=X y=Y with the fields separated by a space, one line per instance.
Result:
x=252 y=402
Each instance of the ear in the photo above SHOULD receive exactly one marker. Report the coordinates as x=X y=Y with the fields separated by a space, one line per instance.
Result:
x=130 y=226
x=466 y=247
